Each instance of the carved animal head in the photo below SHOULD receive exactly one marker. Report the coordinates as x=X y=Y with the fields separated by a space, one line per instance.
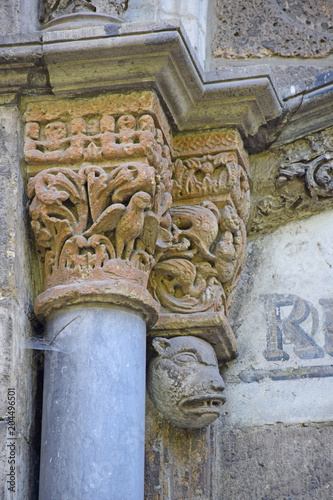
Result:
x=197 y=223
x=141 y=200
x=184 y=381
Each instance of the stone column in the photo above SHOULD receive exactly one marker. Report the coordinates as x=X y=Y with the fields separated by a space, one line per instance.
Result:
x=94 y=405
x=99 y=173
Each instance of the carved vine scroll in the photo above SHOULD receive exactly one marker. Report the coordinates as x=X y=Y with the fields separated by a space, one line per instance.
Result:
x=316 y=167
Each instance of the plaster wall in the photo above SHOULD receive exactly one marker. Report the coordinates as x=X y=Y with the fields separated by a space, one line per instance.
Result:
x=273 y=440
x=285 y=356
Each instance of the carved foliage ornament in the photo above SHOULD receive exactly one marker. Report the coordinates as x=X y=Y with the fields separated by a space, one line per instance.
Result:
x=100 y=222
x=109 y=204
x=83 y=221
x=316 y=167
x=199 y=272
x=112 y=214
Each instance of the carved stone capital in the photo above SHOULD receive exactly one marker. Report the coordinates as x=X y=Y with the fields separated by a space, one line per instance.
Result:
x=65 y=14
x=126 y=215
x=99 y=198
x=195 y=279
x=51 y=10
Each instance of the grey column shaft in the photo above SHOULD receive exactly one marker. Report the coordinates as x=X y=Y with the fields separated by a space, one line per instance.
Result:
x=94 y=406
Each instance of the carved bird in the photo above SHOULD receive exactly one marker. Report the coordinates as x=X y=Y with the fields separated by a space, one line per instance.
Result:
x=127 y=221
x=107 y=221
x=197 y=223
x=130 y=225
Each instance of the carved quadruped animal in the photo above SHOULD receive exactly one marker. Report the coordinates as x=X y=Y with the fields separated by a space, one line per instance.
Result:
x=184 y=381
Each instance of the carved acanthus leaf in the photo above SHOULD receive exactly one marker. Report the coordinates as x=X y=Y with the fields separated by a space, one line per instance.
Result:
x=86 y=222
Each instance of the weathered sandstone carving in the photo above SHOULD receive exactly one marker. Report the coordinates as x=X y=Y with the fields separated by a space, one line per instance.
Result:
x=200 y=270
x=99 y=197
x=110 y=207
x=195 y=279
x=184 y=381
x=84 y=221
x=316 y=167
x=96 y=140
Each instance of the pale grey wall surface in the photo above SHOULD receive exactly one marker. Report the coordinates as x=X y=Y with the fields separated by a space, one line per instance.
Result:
x=274 y=440
x=193 y=16
x=284 y=370
x=18 y=16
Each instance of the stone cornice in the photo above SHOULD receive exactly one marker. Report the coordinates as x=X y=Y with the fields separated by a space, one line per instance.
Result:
x=314 y=112
x=133 y=55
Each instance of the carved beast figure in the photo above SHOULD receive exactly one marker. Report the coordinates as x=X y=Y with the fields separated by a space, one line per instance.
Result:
x=184 y=381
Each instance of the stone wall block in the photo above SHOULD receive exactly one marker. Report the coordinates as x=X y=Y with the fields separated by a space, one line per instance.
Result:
x=275 y=462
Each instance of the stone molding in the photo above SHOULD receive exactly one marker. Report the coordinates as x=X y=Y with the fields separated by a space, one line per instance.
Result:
x=103 y=175
x=138 y=55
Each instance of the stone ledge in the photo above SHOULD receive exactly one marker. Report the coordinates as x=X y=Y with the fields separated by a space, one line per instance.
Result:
x=212 y=327
x=313 y=114
x=139 y=55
